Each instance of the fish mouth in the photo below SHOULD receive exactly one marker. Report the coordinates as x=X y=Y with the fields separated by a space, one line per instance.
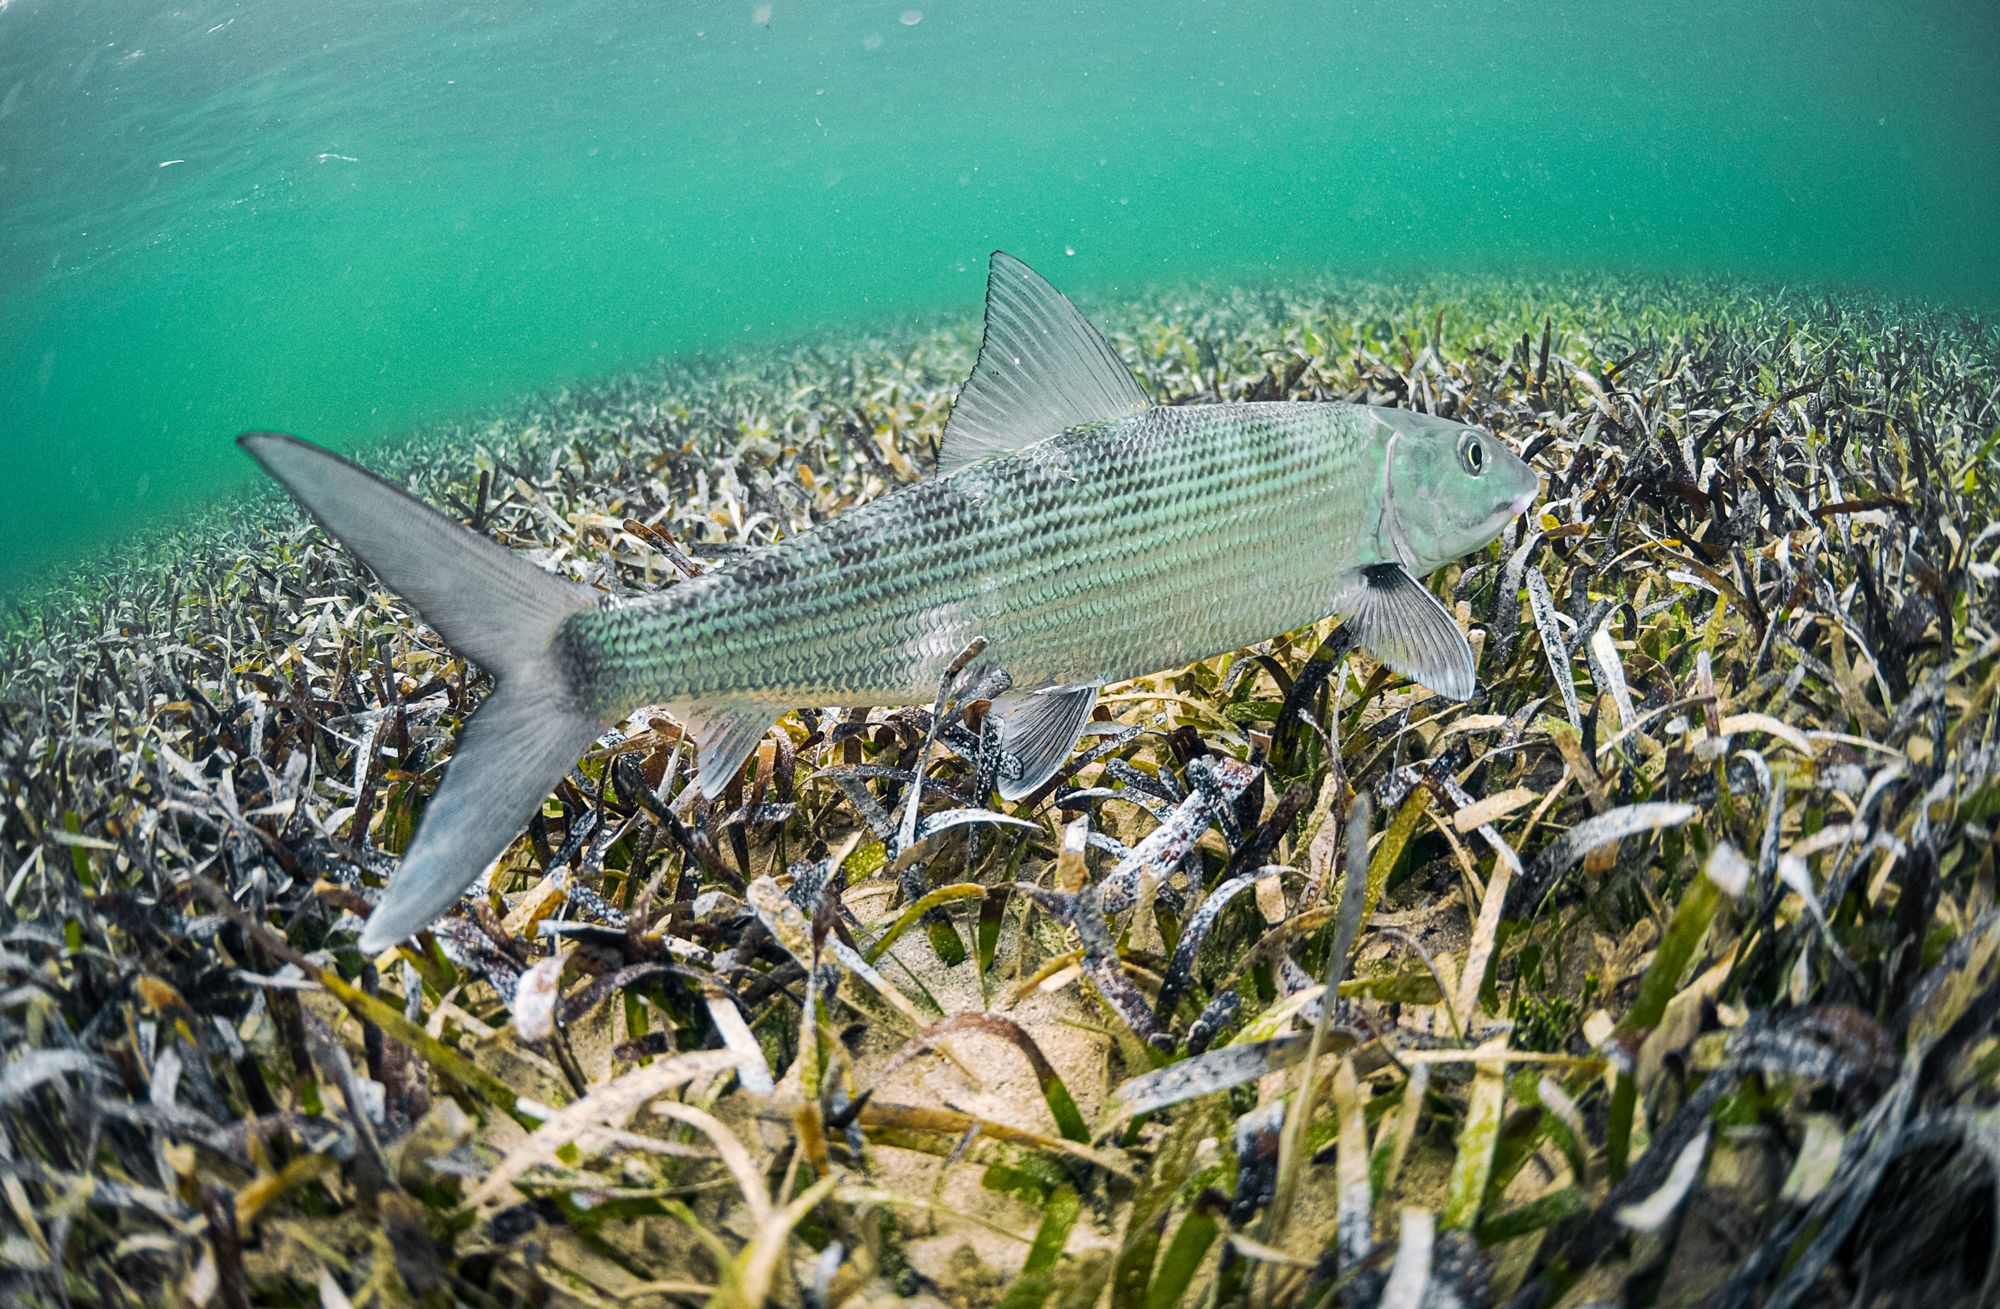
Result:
x=1513 y=508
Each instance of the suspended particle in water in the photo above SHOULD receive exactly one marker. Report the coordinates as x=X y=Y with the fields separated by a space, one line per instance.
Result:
x=872 y=41
x=761 y=16
x=911 y=17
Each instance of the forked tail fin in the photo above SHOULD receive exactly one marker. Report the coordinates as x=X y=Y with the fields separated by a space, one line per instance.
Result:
x=497 y=609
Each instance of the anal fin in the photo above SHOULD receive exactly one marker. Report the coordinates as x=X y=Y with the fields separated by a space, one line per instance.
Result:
x=1409 y=629
x=1038 y=729
x=726 y=731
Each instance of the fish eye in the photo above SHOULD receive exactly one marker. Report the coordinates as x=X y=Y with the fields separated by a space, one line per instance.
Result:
x=1472 y=453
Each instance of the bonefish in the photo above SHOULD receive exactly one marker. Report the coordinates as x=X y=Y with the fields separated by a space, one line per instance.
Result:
x=1082 y=533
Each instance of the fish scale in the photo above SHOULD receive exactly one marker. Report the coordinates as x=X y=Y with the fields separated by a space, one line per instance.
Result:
x=1076 y=559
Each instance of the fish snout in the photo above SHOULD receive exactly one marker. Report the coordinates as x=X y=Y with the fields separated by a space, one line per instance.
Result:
x=1508 y=508
x=1524 y=482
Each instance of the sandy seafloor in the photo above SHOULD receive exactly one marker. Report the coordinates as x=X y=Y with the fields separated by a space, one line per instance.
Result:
x=1674 y=964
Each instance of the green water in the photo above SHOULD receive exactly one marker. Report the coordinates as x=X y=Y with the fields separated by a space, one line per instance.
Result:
x=344 y=219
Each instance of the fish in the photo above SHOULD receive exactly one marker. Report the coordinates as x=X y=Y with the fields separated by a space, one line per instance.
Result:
x=1076 y=534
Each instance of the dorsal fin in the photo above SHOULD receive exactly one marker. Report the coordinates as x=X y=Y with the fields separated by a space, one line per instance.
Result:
x=1042 y=370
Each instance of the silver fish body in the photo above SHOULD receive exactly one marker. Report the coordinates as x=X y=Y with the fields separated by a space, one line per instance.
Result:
x=1112 y=550
x=1076 y=531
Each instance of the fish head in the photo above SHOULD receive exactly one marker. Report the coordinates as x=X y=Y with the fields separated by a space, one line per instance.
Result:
x=1447 y=489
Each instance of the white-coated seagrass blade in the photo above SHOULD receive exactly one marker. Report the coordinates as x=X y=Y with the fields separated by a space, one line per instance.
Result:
x=1042 y=369
x=1409 y=629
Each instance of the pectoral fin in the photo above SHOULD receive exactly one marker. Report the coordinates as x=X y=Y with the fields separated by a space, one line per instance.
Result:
x=1409 y=629
x=1038 y=729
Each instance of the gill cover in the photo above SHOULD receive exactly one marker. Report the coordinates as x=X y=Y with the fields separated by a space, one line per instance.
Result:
x=1447 y=489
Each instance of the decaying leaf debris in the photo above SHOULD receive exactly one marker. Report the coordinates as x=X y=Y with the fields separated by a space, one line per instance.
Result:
x=1675 y=955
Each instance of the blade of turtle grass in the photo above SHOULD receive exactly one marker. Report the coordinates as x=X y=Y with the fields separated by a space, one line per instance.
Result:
x=1274 y=1020
x=1163 y=849
x=908 y=831
x=889 y=1118
x=1070 y=871
x=1354 y=1203
x=858 y=1196
x=1059 y=1214
x=1031 y=1290
x=79 y=849
x=1387 y=1163
x=1501 y=1058
x=30 y=1069
x=1180 y=967
x=941 y=896
x=226 y=1250
x=929 y=997
x=369 y=1009
x=612 y=1101
x=1542 y=1212
x=665 y=1286
x=730 y=1149
x=1174 y=1279
x=266 y=1189
x=1477 y=1132
x=1291 y=1142
x=788 y=925
x=1553 y=646
x=993 y=917
x=1724 y=877
x=1565 y=1124
x=1062 y=1107
x=1132 y=1267
x=755 y=1070
x=1506 y=866
x=757 y=1267
x=1601 y=655
x=1568 y=850
x=1202 y=1074
x=1650 y=1213
x=1390 y=849
x=1049 y=968
x=1298 y=925
x=1586 y=1242
x=1410 y=1274
x=1083 y=913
